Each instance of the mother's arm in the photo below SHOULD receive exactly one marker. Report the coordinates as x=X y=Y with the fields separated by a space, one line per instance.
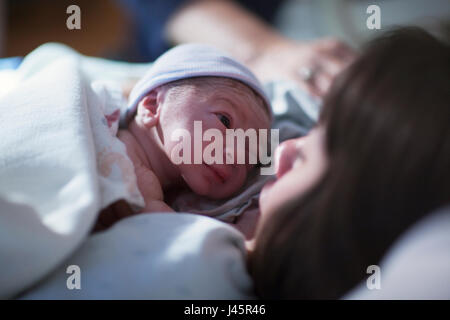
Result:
x=226 y=25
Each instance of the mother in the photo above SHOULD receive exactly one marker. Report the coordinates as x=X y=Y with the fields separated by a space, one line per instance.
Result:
x=377 y=162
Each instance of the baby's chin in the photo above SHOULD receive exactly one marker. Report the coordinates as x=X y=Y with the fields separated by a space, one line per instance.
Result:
x=213 y=193
x=219 y=196
x=210 y=190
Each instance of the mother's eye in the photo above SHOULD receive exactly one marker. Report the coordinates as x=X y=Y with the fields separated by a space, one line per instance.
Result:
x=225 y=120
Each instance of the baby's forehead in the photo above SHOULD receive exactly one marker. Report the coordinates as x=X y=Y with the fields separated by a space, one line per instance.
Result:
x=241 y=98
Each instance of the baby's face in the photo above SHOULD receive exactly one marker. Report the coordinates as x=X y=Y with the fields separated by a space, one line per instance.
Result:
x=216 y=109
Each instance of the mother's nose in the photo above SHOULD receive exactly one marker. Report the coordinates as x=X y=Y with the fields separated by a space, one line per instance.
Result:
x=285 y=156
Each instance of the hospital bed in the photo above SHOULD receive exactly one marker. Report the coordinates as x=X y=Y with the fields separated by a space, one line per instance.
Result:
x=148 y=256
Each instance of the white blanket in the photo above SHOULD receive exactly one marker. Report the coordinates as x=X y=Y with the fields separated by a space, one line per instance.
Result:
x=59 y=164
x=155 y=256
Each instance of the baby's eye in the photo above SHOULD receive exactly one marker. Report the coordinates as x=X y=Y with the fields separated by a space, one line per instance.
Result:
x=225 y=120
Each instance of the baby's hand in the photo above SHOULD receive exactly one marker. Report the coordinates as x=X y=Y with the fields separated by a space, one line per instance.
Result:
x=156 y=206
x=121 y=209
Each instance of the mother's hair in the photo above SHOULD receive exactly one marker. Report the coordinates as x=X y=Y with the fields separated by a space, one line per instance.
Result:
x=387 y=120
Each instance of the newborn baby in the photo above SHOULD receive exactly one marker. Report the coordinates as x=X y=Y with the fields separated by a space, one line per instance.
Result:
x=190 y=83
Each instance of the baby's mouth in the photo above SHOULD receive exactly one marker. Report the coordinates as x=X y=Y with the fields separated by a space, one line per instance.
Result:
x=220 y=174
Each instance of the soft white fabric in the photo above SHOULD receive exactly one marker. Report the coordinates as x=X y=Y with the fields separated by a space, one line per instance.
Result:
x=48 y=178
x=156 y=256
x=59 y=164
x=418 y=264
x=115 y=170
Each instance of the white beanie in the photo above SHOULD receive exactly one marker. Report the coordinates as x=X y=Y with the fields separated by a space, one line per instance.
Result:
x=188 y=61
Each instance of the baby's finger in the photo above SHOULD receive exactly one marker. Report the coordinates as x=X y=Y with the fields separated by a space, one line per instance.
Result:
x=329 y=44
x=345 y=52
x=323 y=83
x=320 y=83
x=338 y=49
x=330 y=64
x=308 y=86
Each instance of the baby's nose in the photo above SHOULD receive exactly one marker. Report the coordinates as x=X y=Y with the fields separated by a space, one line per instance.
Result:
x=242 y=152
x=229 y=155
x=239 y=155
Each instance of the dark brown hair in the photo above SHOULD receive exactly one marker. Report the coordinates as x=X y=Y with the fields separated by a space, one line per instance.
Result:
x=387 y=121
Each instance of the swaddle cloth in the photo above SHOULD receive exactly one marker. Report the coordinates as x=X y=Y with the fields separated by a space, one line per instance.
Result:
x=188 y=61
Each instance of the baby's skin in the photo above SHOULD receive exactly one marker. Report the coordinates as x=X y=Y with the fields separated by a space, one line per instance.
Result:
x=149 y=143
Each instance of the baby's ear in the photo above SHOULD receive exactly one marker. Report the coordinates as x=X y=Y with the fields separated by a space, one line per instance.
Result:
x=148 y=109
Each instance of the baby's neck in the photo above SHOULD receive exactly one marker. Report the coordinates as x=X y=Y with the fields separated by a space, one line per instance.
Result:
x=144 y=151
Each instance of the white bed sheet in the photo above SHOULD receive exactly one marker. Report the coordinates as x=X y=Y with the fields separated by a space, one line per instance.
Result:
x=155 y=256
